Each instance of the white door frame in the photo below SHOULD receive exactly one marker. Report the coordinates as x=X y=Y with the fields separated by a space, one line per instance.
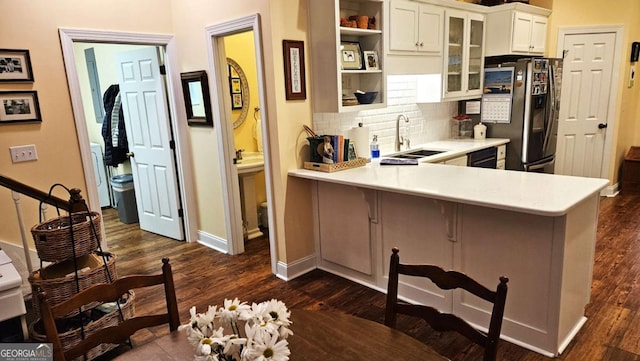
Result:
x=217 y=81
x=613 y=95
x=177 y=111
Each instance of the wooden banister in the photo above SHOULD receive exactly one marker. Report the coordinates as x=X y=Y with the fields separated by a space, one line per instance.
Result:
x=75 y=203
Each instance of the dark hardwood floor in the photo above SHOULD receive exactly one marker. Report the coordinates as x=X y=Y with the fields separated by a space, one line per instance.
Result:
x=205 y=277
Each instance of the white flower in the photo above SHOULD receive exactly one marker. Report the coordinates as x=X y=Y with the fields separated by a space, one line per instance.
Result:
x=216 y=334
x=204 y=347
x=232 y=309
x=269 y=349
x=278 y=312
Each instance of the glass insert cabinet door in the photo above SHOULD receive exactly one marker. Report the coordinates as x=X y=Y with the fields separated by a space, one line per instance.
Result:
x=475 y=53
x=455 y=54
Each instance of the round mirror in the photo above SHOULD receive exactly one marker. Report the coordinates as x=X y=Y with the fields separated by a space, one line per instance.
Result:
x=239 y=93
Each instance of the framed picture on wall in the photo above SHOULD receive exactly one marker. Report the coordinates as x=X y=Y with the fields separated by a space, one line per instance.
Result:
x=235 y=86
x=293 y=52
x=15 y=66
x=236 y=101
x=19 y=106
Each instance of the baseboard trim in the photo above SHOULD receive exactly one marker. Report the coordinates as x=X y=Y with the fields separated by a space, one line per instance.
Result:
x=213 y=242
x=289 y=271
x=611 y=191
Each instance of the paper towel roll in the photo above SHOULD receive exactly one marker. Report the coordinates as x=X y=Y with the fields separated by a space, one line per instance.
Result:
x=360 y=137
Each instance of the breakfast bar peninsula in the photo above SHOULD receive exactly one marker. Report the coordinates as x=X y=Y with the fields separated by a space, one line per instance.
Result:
x=539 y=230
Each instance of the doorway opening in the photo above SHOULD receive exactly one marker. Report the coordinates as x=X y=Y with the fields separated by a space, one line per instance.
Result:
x=176 y=134
x=221 y=36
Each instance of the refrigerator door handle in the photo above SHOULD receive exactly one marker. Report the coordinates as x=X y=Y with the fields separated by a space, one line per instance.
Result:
x=551 y=103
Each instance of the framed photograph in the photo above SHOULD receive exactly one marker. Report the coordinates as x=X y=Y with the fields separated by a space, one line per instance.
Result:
x=350 y=55
x=19 y=107
x=293 y=53
x=352 y=154
x=233 y=73
x=235 y=86
x=15 y=66
x=236 y=101
x=195 y=89
x=370 y=60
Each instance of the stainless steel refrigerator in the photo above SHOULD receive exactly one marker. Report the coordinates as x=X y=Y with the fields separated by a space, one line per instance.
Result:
x=521 y=101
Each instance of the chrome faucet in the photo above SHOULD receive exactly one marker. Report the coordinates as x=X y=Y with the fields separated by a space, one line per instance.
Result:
x=239 y=154
x=400 y=141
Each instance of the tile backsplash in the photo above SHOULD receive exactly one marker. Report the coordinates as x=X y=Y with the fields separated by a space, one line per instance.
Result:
x=427 y=122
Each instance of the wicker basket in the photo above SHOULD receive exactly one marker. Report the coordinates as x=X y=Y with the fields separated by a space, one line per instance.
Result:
x=330 y=168
x=53 y=237
x=59 y=283
x=72 y=337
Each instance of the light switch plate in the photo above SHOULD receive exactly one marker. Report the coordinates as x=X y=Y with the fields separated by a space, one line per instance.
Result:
x=23 y=153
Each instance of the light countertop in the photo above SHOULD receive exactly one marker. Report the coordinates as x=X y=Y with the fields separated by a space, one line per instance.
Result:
x=535 y=193
x=455 y=147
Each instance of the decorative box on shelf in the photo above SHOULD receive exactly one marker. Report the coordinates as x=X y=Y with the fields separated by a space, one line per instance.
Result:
x=329 y=168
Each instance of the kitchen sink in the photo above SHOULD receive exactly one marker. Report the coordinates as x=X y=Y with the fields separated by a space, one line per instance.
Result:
x=416 y=154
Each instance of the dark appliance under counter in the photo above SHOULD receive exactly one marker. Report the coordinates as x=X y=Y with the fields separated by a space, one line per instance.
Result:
x=484 y=158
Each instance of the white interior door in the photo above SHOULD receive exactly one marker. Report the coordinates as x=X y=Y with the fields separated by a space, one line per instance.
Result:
x=584 y=103
x=147 y=122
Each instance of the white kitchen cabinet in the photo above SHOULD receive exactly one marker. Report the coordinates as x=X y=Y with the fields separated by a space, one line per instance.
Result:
x=346 y=213
x=501 y=156
x=550 y=273
x=463 y=55
x=423 y=230
x=331 y=78
x=459 y=161
x=516 y=29
x=415 y=28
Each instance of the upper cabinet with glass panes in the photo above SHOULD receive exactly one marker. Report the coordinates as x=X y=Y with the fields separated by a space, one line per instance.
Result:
x=463 y=58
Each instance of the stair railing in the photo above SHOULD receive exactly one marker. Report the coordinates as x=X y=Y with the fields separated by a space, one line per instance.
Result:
x=75 y=204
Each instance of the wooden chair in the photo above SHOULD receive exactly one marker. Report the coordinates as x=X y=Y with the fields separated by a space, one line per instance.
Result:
x=444 y=321
x=109 y=293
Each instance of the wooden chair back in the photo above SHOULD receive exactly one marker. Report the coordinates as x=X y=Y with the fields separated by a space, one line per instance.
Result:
x=447 y=280
x=110 y=293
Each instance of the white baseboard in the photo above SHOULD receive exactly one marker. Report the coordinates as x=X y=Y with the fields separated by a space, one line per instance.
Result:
x=214 y=242
x=289 y=271
x=611 y=191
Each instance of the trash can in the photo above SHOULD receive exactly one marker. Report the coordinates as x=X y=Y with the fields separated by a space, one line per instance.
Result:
x=125 y=198
x=264 y=215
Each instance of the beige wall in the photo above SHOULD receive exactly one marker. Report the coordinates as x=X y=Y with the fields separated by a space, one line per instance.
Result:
x=35 y=27
x=284 y=19
x=289 y=19
x=594 y=12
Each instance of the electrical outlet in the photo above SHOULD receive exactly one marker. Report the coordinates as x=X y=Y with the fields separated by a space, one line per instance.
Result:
x=23 y=153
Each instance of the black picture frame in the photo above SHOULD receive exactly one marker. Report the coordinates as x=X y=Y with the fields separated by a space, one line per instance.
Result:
x=235 y=88
x=294 y=72
x=15 y=66
x=19 y=106
x=197 y=100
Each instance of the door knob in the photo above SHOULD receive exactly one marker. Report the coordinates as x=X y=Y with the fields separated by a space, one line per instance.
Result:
x=130 y=155
x=602 y=126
